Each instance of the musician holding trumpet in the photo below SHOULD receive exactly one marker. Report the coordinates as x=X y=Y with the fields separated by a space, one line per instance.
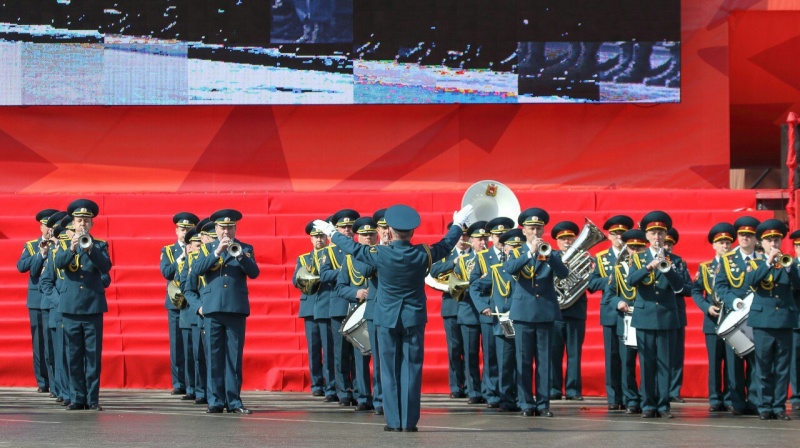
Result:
x=534 y=308
x=655 y=315
x=773 y=315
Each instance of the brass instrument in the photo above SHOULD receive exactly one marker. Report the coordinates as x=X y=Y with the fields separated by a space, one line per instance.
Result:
x=663 y=265
x=544 y=249
x=85 y=240
x=490 y=199
x=307 y=282
x=176 y=297
x=235 y=249
x=439 y=283
x=580 y=264
x=44 y=243
x=783 y=260
x=456 y=287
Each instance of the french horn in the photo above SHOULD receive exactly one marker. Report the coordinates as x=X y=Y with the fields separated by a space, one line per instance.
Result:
x=307 y=282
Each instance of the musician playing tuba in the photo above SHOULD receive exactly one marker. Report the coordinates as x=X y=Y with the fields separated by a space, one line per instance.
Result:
x=720 y=237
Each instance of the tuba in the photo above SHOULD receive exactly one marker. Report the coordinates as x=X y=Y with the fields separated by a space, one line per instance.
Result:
x=490 y=199
x=580 y=264
x=307 y=282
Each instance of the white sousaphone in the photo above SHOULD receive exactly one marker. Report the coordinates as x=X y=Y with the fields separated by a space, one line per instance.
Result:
x=489 y=199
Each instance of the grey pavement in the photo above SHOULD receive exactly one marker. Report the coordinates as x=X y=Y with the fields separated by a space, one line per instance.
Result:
x=140 y=418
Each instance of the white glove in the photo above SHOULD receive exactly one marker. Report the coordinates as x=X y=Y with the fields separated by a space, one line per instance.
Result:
x=325 y=227
x=738 y=304
x=460 y=217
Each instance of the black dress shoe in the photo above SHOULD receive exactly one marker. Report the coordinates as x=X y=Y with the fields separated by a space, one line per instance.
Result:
x=379 y=411
x=781 y=416
x=348 y=402
x=492 y=405
x=241 y=410
x=52 y=395
x=42 y=390
x=317 y=393
x=76 y=406
x=633 y=410
x=388 y=428
x=201 y=401
x=178 y=392
x=95 y=407
x=458 y=395
x=476 y=400
x=363 y=407
x=648 y=414
x=214 y=410
x=677 y=400
x=575 y=398
x=544 y=413
x=666 y=414
x=410 y=429
x=529 y=412
x=734 y=411
x=59 y=400
x=188 y=397
x=555 y=397
x=765 y=415
x=331 y=399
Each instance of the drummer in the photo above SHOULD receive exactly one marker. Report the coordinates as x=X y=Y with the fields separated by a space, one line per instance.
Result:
x=352 y=284
x=772 y=279
x=729 y=285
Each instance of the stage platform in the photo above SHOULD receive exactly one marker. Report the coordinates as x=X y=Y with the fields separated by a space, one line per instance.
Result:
x=137 y=418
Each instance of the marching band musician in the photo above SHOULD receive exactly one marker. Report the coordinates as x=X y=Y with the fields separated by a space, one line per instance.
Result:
x=32 y=260
x=384 y=236
x=729 y=286
x=569 y=331
x=622 y=297
x=794 y=375
x=225 y=308
x=773 y=315
x=323 y=320
x=344 y=359
x=484 y=260
x=194 y=387
x=534 y=308
x=51 y=319
x=452 y=330
x=721 y=237
x=604 y=267
x=469 y=318
x=401 y=311
x=655 y=316
x=170 y=255
x=82 y=304
x=492 y=294
x=679 y=350
x=306 y=311
x=352 y=284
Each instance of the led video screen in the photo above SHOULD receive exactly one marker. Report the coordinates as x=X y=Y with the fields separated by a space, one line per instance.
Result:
x=173 y=52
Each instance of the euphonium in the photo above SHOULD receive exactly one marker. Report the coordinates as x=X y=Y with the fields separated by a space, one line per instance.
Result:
x=307 y=282
x=580 y=264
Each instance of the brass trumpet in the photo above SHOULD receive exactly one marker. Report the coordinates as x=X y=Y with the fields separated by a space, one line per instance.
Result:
x=84 y=240
x=782 y=260
x=544 y=249
x=235 y=250
x=663 y=265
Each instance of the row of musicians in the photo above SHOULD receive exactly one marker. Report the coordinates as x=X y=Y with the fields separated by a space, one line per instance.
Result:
x=68 y=272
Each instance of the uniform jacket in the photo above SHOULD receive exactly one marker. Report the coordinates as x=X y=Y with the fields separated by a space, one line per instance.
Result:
x=534 y=296
x=497 y=286
x=603 y=270
x=402 y=268
x=192 y=287
x=306 y=300
x=226 y=278
x=616 y=291
x=485 y=260
x=32 y=262
x=679 y=265
x=329 y=272
x=353 y=276
x=83 y=286
x=703 y=293
x=773 y=300
x=729 y=280
x=467 y=310
x=169 y=267
x=655 y=307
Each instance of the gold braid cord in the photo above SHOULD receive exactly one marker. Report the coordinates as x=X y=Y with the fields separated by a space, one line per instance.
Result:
x=502 y=287
x=356 y=278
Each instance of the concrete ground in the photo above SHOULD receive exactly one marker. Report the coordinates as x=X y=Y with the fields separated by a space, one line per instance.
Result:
x=139 y=418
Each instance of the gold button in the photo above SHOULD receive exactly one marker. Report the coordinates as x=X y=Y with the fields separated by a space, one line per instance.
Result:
x=656 y=303
x=224 y=286
x=776 y=308
x=776 y=296
x=81 y=276
x=537 y=295
x=656 y=292
x=80 y=287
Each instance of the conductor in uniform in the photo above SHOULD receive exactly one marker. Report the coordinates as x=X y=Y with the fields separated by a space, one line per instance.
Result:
x=534 y=308
x=401 y=311
x=226 y=306
x=171 y=256
x=83 y=302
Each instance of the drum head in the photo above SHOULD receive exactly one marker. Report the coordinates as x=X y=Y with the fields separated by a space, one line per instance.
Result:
x=356 y=317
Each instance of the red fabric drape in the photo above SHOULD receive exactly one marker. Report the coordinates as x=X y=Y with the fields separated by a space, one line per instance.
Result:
x=791 y=164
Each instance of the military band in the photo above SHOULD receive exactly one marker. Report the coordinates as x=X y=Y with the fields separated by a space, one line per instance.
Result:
x=502 y=302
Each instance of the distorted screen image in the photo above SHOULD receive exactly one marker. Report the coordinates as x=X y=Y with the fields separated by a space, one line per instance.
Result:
x=173 y=52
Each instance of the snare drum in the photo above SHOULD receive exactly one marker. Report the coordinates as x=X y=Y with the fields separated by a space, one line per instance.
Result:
x=629 y=335
x=507 y=325
x=735 y=331
x=354 y=329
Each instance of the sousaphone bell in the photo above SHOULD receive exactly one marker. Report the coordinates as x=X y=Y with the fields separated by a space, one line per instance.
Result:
x=490 y=199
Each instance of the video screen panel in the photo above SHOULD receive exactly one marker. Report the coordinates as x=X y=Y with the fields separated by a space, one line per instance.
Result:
x=173 y=52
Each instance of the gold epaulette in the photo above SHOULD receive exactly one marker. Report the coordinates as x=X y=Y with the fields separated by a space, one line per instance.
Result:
x=602 y=252
x=171 y=256
x=29 y=245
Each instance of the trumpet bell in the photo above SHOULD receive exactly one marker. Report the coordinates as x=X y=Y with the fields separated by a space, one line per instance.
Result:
x=235 y=250
x=490 y=199
x=545 y=249
x=85 y=241
x=307 y=282
x=785 y=260
x=664 y=266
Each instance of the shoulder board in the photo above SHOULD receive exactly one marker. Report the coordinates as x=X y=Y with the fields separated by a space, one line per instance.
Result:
x=305 y=254
x=331 y=245
x=602 y=252
x=30 y=244
x=731 y=253
x=204 y=249
x=99 y=240
x=483 y=251
x=706 y=263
